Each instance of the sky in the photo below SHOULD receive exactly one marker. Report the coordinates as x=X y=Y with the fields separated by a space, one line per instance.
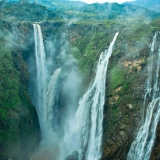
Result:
x=102 y=1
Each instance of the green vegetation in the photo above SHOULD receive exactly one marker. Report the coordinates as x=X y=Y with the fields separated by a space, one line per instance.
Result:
x=17 y=114
x=9 y=95
x=117 y=77
x=90 y=35
x=105 y=11
x=26 y=12
x=93 y=38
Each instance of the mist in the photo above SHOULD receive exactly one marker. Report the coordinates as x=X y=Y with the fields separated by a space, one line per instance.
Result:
x=63 y=92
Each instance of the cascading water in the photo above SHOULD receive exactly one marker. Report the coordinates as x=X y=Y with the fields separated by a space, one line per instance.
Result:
x=84 y=132
x=47 y=86
x=142 y=145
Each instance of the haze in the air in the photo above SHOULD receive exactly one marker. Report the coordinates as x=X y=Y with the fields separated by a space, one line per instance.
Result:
x=103 y=1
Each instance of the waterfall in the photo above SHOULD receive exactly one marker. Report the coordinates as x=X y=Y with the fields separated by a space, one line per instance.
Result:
x=84 y=133
x=46 y=90
x=142 y=145
x=82 y=137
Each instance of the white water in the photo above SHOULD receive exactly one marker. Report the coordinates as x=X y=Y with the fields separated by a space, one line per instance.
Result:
x=84 y=132
x=47 y=86
x=142 y=145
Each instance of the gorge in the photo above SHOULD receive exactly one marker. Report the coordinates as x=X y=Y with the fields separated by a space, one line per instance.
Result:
x=79 y=81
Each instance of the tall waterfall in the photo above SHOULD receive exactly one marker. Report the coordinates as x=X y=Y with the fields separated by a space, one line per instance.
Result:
x=84 y=133
x=47 y=86
x=142 y=145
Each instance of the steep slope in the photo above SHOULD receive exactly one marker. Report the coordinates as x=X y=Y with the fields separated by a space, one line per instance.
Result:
x=126 y=77
x=19 y=133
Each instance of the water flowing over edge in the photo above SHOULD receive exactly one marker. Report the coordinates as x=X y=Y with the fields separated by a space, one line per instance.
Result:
x=47 y=86
x=86 y=127
x=142 y=145
x=84 y=132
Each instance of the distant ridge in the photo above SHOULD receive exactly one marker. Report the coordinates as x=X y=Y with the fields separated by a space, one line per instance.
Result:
x=150 y=4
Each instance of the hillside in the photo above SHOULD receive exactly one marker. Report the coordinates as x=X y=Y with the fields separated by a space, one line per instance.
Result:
x=150 y=4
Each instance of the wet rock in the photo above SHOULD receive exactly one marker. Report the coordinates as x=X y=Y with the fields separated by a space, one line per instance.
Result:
x=111 y=143
x=122 y=127
x=122 y=133
x=130 y=106
x=107 y=151
x=73 y=156
x=135 y=115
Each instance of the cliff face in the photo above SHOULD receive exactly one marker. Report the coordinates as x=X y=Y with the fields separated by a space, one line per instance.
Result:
x=126 y=78
x=19 y=135
x=125 y=90
x=155 y=153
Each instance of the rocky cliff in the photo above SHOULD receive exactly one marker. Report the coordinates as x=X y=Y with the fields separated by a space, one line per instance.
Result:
x=19 y=135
